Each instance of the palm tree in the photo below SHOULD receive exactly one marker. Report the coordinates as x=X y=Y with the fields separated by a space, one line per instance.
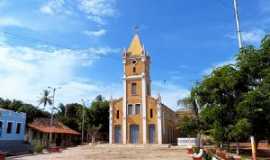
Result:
x=46 y=99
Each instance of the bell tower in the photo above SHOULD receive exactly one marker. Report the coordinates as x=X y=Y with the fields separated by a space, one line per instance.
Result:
x=136 y=85
x=137 y=117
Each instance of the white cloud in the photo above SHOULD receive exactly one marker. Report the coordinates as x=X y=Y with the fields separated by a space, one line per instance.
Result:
x=26 y=71
x=97 y=33
x=97 y=10
x=53 y=7
x=9 y=21
x=170 y=93
x=253 y=36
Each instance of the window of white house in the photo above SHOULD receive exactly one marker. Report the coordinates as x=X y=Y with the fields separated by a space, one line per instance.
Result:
x=9 y=127
x=1 y=127
x=18 y=128
x=133 y=88
x=130 y=109
x=137 y=109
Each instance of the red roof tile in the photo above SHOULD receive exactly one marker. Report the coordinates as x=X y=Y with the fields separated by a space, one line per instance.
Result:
x=43 y=125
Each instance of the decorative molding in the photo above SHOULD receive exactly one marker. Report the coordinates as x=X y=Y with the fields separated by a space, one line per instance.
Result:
x=133 y=77
x=159 y=120
x=144 y=109
x=110 y=122
x=124 y=122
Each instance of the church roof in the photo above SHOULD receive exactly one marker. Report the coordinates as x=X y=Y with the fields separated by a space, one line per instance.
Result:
x=135 y=47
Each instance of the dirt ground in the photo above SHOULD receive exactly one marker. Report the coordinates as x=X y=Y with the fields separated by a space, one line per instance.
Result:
x=114 y=152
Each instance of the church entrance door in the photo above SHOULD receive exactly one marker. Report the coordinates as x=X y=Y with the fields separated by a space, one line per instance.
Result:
x=151 y=133
x=134 y=134
x=117 y=134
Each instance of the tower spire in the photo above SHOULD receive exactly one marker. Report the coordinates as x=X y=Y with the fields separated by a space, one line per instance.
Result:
x=135 y=48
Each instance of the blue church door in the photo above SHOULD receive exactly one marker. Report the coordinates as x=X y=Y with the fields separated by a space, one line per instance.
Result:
x=117 y=134
x=134 y=134
x=151 y=133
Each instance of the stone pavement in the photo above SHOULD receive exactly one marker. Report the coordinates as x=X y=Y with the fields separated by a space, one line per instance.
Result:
x=114 y=152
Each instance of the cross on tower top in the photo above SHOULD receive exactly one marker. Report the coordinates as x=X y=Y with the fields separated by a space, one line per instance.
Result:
x=136 y=29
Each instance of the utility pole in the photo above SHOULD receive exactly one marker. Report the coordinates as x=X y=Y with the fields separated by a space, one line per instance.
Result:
x=53 y=107
x=83 y=115
x=238 y=31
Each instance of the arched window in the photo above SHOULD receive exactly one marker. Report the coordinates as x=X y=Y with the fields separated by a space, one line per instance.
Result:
x=151 y=113
x=134 y=69
x=117 y=114
x=133 y=88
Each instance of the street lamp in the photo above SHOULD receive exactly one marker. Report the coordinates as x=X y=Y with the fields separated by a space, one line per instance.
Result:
x=83 y=117
x=53 y=107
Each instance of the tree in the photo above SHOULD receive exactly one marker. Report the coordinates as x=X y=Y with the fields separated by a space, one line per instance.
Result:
x=240 y=130
x=99 y=113
x=70 y=115
x=219 y=93
x=236 y=98
x=96 y=115
x=46 y=99
x=93 y=130
x=31 y=111
x=188 y=127
x=254 y=65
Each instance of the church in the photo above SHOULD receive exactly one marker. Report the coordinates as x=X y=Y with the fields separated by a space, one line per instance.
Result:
x=137 y=117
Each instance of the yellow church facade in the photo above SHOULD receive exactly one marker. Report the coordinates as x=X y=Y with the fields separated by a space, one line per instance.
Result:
x=137 y=117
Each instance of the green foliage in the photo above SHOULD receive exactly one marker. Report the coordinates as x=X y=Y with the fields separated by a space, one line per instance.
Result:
x=188 y=127
x=236 y=97
x=240 y=130
x=99 y=114
x=31 y=111
x=71 y=115
x=37 y=147
x=96 y=115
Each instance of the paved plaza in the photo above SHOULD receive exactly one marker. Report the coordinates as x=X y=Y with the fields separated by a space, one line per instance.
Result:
x=113 y=152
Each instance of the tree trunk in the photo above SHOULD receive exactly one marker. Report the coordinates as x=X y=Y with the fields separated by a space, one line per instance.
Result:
x=237 y=147
x=65 y=111
x=93 y=139
x=199 y=140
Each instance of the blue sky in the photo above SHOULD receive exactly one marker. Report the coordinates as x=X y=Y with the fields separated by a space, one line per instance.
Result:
x=77 y=44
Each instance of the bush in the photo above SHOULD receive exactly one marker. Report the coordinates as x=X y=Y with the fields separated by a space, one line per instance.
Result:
x=38 y=147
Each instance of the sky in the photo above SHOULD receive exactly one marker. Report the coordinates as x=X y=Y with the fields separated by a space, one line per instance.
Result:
x=76 y=45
